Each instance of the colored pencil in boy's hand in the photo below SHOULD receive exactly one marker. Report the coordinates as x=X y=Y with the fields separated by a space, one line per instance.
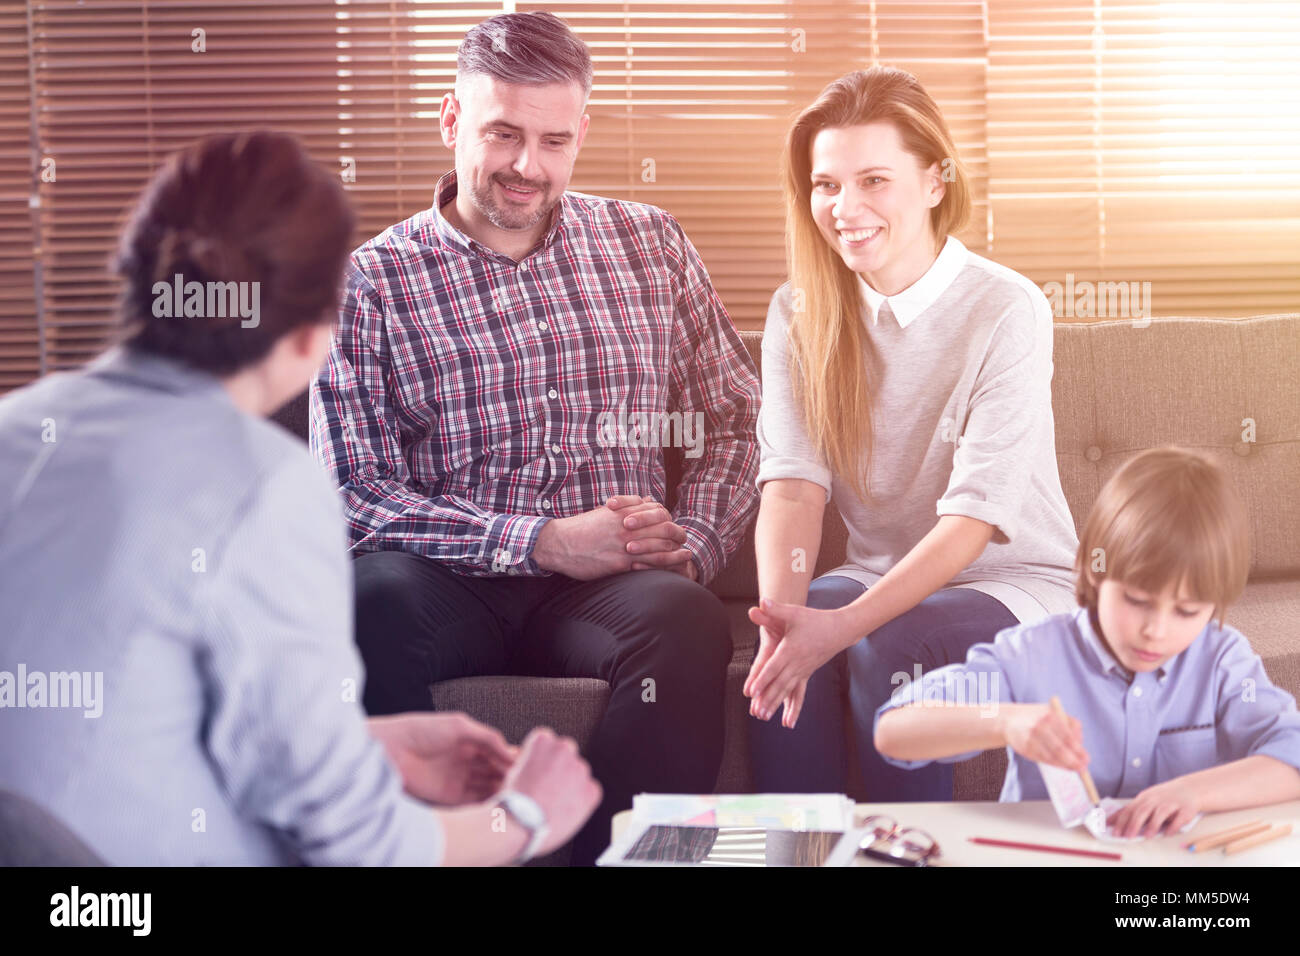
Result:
x=1087 y=777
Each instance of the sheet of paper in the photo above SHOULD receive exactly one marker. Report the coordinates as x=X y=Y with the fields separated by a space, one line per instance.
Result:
x=772 y=811
x=1070 y=799
x=1068 y=794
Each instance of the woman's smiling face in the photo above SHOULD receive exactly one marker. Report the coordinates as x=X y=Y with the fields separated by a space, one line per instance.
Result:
x=871 y=200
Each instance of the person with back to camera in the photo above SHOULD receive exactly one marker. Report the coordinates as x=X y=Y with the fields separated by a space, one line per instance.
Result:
x=160 y=534
x=1162 y=701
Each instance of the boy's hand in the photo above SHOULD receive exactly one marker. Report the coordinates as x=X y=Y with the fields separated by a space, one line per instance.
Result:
x=1171 y=805
x=1038 y=734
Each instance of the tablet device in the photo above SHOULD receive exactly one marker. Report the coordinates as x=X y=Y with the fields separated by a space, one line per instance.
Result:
x=658 y=844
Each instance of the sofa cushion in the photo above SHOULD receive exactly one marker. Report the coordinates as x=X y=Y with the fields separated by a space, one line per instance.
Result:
x=571 y=707
x=1269 y=615
x=1204 y=383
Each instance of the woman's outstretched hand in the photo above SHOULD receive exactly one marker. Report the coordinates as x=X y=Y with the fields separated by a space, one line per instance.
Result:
x=793 y=642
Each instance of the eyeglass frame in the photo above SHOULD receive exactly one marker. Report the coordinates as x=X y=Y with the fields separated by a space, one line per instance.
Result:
x=894 y=835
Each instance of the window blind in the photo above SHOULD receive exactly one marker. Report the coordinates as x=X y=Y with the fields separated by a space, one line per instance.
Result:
x=20 y=353
x=1129 y=141
x=1149 y=142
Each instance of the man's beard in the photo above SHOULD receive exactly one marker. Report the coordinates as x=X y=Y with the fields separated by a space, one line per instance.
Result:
x=510 y=217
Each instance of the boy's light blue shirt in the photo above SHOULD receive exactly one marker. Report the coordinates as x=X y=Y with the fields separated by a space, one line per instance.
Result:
x=1209 y=705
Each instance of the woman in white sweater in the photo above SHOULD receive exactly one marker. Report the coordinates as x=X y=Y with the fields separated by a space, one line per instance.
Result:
x=910 y=380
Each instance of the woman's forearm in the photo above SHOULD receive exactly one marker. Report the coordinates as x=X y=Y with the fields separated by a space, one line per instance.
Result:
x=480 y=835
x=918 y=732
x=787 y=538
x=949 y=547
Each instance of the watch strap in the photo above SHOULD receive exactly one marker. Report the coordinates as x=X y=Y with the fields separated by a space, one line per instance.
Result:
x=529 y=814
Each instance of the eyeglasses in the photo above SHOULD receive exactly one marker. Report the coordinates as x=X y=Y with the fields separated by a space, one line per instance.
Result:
x=906 y=846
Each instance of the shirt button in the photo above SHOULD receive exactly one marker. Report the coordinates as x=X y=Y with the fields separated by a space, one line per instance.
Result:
x=1137 y=761
x=553 y=393
x=555 y=448
x=523 y=267
x=542 y=326
x=1137 y=691
x=546 y=503
x=1093 y=453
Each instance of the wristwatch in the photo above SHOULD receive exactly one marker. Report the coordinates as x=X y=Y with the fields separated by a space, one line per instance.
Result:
x=530 y=816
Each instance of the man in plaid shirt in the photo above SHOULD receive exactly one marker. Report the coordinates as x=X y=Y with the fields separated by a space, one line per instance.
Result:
x=508 y=366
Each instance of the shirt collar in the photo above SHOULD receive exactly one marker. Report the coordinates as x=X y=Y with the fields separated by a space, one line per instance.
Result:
x=127 y=363
x=446 y=191
x=920 y=295
x=1100 y=654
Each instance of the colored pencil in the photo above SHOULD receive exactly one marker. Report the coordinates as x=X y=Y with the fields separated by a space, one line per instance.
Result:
x=1246 y=843
x=1087 y=777
x=1100 y=854
x=1211 y=840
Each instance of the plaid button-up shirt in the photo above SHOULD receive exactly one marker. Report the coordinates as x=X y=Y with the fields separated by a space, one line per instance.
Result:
x=468 y=398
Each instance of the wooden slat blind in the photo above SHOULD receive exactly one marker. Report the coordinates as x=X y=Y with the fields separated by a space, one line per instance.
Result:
x=1132 y=140
x=121 y=85
x=706 y=91
x=19 y=340
x=1147 y=141
x=689 y=107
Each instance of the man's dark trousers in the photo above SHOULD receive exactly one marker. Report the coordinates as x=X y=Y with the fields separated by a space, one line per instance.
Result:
x=661 y=641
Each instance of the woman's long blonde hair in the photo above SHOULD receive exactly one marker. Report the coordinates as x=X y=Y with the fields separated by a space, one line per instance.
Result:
x=828 y=342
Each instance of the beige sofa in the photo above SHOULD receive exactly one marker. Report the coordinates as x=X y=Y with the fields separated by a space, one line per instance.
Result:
x=1118 y=388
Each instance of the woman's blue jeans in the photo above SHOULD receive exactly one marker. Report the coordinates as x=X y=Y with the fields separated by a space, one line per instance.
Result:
x=843 y=695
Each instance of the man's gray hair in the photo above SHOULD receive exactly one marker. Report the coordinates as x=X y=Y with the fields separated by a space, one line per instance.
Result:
x=529 y=48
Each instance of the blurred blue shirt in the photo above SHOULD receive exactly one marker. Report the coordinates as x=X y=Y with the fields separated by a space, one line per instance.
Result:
x=1209 y=705
x=189 y=560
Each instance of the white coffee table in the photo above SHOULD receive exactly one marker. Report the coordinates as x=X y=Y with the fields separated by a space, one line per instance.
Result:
x=1034 y=821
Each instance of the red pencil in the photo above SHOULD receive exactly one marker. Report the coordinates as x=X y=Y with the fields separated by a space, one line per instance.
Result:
x=1102 y=854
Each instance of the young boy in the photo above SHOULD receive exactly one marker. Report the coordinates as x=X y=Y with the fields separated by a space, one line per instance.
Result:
x=1175 y=710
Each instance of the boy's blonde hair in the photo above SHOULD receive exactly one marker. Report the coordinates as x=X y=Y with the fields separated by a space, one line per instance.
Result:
x=1169 y=516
